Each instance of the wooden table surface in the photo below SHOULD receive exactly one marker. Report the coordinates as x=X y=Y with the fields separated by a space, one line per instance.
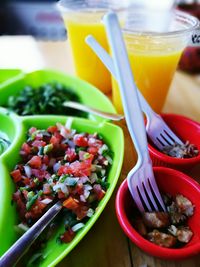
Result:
x=106 y=245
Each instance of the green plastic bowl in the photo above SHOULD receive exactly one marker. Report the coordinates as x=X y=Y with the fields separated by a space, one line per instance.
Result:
x=113 y=136
x=88 y=94
x=9 y=75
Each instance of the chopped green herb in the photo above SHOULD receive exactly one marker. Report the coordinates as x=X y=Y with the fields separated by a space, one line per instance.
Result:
x=49 y=99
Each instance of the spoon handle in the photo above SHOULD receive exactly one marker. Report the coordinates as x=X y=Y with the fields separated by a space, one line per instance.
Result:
x=103 y=114
x=10 y=258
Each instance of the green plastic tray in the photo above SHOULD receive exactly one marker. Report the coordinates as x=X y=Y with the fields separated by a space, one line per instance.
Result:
x=9 y=75
x=16 y=127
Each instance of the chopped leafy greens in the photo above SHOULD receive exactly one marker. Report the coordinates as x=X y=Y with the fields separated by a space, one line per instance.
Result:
x=46 y=99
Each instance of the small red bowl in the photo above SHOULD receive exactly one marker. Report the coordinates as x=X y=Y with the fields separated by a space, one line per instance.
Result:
x=187 y=130
x=172 y=182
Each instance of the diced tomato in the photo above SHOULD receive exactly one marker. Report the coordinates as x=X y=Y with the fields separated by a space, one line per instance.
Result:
x=16 y=175
x=52 y=129
x=78 y=189
x=36 y=210
x=81 y=168
x=26 y=181
x=41 y=174
x=26 y=148
x=61 y=195
x=81 y=212
x=54 y=140
x=47 y=189
x=64 y=169
x=45 y=160
x=95 y=142
x=58 y=136
x=70 y=155
x=100 y=193
x=38 y=143
x=80 y=140
x=35 y=162
x=21 y=207
x=92 y=150
x=67 y=236
x=71 y=203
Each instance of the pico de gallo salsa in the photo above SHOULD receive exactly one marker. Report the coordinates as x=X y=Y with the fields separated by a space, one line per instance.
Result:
x=60 y=164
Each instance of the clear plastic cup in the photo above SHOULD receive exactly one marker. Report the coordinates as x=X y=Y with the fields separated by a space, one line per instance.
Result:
x=154 y=48
x=83 y=17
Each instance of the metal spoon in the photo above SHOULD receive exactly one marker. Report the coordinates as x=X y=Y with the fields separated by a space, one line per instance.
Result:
x=103 y=114
x=16 y=251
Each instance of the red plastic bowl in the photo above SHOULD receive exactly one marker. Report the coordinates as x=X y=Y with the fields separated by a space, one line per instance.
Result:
x=172 y=182
x=186 y=129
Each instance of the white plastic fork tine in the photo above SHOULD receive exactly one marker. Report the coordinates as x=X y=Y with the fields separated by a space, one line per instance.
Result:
x=140 y=184
x=172 y=135
x=135 y=194
x=157 y=193
x=137 y=200
x=148 y=189
x=165 y=140
x=144 y=197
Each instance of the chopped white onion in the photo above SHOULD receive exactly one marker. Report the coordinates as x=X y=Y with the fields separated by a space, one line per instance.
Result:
x=96 y=167
x=46 y=201
x=56 y=166
x=93 y=177
x=56 y=187
x=86 y=194
x=103 y=148
x=92 y=140
x=90 y=212
x=83 y=180
x=44 y=167
x=68 y=123
x=28 y=171
x=103 y=172
x=87 y=187
x=71 y=144
x=71 y=180
x=77 y=226
x=82 y=198
x=64 y=132
x=109 y=159
x=64 y=189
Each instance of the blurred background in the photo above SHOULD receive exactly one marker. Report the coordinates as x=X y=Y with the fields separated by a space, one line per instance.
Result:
x=41 y=19
x=38 y=18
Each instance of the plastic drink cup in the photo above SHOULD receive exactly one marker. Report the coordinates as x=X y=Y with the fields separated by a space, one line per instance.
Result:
x=153 y=53
x=83 y=17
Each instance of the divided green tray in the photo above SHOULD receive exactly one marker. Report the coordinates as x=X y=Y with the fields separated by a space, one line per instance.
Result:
x=16 y=127
x=87 y=93
x=9 y=75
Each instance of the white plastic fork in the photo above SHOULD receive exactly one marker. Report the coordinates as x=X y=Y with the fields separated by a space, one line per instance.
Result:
x=141 y=181
x=157 y=129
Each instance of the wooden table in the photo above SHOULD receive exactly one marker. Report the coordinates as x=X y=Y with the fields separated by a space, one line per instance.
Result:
x=106 y=245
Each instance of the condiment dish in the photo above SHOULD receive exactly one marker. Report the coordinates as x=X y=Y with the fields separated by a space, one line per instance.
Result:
x=187 y=130
x=172 y=182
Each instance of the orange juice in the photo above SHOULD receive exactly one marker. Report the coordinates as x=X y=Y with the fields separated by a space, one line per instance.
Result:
x=87 y=64
x=153 y=74
x=153 y=60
